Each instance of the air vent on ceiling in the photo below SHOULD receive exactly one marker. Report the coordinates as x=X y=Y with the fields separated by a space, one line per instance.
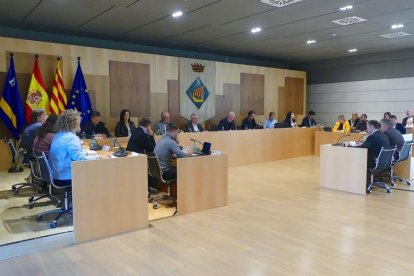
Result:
x=395 y=35
x=349 y=20
x=280 y=3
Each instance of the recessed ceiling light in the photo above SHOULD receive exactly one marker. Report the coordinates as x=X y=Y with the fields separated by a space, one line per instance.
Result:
x=177 y=14
x=346 y=8
x=256 y=30
x=397 y=26
x=353 y=50
x=311 y=41
x=333 y=34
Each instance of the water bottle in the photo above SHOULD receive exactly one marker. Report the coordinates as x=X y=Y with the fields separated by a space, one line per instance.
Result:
x=246 y=128
x=195 y=149
x=93 y=134
x=83 y=135
x=222 y=128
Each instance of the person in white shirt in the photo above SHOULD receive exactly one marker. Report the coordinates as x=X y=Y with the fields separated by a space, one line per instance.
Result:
x=193 y=125
x=270 y=122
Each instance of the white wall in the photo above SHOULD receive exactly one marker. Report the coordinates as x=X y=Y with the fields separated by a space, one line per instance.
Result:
x=372 y=97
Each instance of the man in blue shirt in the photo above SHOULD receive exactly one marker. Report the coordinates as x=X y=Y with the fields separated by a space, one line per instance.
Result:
x=270 y=122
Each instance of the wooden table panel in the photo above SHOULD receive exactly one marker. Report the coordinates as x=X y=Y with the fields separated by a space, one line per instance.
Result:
x=324 y=137
x=201 y=183
x=109 y=197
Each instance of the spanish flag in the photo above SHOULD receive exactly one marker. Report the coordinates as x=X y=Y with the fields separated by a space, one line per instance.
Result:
x=58 y=99
x=36 y=96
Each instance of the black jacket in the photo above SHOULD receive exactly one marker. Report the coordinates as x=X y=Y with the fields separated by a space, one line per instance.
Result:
x=121 y=130
x=308 y=123
x=249 y=124
x=395 y=138
x=140 y=141
x=90 y=129
x=361 y=126
x=189 y=127
x=355 y=123
x=401 y=128
x=374 y=143
x=287 y=122
x=225 y=125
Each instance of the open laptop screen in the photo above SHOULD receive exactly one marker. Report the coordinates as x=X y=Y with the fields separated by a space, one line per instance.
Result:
x=206 y=148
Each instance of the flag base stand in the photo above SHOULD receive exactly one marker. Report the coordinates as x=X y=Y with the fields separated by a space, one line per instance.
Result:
x=15 y=169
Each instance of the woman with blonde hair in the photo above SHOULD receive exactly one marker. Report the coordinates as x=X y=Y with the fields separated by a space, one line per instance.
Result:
x=66 y=147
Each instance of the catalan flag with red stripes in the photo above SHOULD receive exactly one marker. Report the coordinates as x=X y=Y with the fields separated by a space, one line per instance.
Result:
x=58 y=100
x=36 y=96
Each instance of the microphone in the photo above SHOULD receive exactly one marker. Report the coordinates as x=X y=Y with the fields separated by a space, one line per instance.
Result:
x=340 y=138
x=194 y=140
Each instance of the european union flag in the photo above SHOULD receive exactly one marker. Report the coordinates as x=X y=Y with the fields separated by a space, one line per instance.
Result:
x=11 y=106
x=79 y=97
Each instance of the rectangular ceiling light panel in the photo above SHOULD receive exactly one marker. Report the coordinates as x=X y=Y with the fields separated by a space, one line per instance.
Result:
x=349 y=20
x=280 y=3
x=395 y=35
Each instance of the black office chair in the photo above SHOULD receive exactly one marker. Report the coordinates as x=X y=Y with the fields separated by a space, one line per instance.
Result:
x=382 y=163
x=155 y=171
x=15 y=168
x=404 y=154
x=45 y=172
x=46 y=188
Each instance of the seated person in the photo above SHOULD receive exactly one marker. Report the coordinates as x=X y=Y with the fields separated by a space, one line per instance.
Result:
x=394 y=136
x=95 y=127
x=374 y=143
x=66 y=147
x=26 y=145
x=125 y=126
x=161 y=126
x=362 y=125
x=341 y=125
x=290 y=120
x=193 y=125
x=353 y=122
x=142 y=139
x=309 y=121
x=166 y=148
x=249 y=122
x=270 y=122
x=387 y=115
x=398 y=126
x=408 y=122
x=45 y=135
x=227 y=123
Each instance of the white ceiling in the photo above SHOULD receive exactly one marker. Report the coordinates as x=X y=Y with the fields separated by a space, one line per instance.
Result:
x=223 y=26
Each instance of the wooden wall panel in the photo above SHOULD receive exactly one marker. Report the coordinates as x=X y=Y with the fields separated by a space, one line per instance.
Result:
x=281 y=110
x=174 y=103
x=129 y=88
x=294 y=95
x=234 y=91
x=252 y=93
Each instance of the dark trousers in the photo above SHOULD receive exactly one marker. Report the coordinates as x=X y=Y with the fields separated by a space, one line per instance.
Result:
x=170 y=174
x=66 y=182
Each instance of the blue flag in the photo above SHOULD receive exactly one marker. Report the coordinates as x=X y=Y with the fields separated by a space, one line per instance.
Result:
x=79 y=97
x=11 y=106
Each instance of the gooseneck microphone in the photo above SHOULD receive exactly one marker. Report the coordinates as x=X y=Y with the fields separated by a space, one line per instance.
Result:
x=341 y=138
x=194 y=140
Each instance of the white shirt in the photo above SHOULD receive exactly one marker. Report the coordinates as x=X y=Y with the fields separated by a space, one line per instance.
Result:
x=410 y=123
x=195 y=128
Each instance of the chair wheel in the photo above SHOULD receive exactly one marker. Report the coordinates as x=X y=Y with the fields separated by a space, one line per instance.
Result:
x=408 y=183
x=31 y=199
x=155 y=205
x=14 y=188
x=53 y=224
x=388 y=191
x=31 y=205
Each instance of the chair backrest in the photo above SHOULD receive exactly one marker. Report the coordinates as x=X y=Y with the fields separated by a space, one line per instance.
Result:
x=35 y=167
x=154 y=168
x=405 y=152
x=12 y=148
x=384 y=159
x=44 y=167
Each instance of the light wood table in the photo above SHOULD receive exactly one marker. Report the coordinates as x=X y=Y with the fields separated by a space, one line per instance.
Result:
x=255 y=146
x=109 y=197
x=201 y=183
x=5 y=157
x=405 y=169
x=325 y=137
x=335 y=165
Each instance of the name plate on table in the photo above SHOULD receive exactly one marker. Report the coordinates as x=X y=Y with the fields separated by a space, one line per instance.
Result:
x=215 y=152
x=106 y=148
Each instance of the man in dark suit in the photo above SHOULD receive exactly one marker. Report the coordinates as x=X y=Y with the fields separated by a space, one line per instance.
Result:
x=309 y=121
x=354 y=121
x=95 y=127
x=193 y=125
x=227 y=123
x=142 y=139
x=374 y=142
x=249 y=122
x=394 y=136
x=362 y=125
x=398 y=126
